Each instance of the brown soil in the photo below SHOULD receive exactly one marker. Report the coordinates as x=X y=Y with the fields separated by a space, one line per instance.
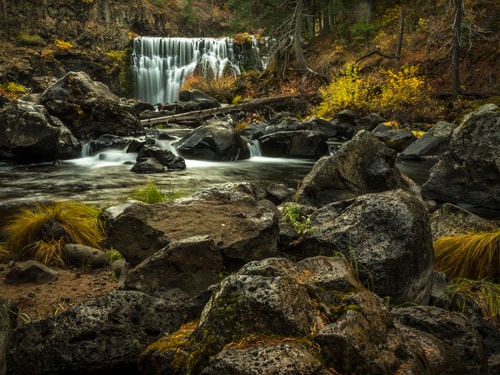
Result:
x=73 y=286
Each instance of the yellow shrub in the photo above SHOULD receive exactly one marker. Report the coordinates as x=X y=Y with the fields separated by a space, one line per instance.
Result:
x=403 y=93
x=242 y=38
x=402 y=90
x=12 y=90
x=61 y=44
x=347 y=91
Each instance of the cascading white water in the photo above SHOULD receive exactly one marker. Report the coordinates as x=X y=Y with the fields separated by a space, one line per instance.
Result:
x=162 y=64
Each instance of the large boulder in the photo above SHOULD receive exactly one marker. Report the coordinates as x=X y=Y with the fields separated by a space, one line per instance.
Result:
x=242 y=228
x=387 y=236
x=364 y=340
x=88 y=108
x=214 y=140
x=289 y=137
x=101 y=336
x=454 y=329
x=267 y=317
x=469 y=172
x=197 y=261
x=165 y=157
x=29 y=133
x=362 y=165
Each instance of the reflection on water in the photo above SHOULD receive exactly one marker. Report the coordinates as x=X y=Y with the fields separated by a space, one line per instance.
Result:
x=105 y=179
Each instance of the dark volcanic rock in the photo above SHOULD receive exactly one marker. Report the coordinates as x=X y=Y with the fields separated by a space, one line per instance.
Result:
x=88 y=108
x=469 y=172
x=29 y=133
x=362 y=165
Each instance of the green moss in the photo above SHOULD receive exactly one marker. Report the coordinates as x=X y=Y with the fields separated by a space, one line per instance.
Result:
x=202 y=351
x=30 y=39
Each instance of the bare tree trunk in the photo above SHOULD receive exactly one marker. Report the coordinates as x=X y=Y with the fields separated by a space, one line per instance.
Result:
x=455 y=56
x=399 y=43
x=299 y=52
x=369 y=19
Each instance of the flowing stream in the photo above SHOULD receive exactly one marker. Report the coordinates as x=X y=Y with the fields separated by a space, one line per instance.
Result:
x=105 y=179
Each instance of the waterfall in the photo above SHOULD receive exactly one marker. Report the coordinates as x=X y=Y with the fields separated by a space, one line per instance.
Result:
x=254 y=148
x=160 y=65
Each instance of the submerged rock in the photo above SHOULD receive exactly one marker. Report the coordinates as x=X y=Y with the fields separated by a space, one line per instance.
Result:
x=215 y=140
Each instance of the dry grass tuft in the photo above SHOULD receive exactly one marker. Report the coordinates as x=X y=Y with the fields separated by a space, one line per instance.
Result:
x=40 y=232
x=474 y=256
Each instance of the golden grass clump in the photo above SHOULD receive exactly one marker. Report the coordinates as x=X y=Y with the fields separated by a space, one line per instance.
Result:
x=474 y=256
x=40 y=232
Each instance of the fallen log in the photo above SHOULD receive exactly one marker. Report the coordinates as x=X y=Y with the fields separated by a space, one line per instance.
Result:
x=273 y=103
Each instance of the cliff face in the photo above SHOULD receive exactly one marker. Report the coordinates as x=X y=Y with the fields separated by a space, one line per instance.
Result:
x=29 y=30
x=100 y=23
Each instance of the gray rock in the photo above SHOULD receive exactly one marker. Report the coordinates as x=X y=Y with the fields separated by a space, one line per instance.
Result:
x=436 y=356
x=269 y=358
x=30 y=271
x=451 y=220
x=362 y=165
x=291 y=138
x=214 y=140
x=432 y=144
x=469 y=172
x=453 y=329
x=395 y=139
x=195 y=260
x=106 y=335
x=131 y=234
x=279 y=193
x=89 y=108
x=81 y=255
x=148 y=166
x=386 y=236
x=261 y=318
x=164 y=157
x=229 y=214
x=195 y=100
x=364 y=339
x=29 y=133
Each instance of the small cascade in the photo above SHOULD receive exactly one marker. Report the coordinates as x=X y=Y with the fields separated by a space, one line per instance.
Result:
x=86 y=150
x=160 y=65
x=254 y=147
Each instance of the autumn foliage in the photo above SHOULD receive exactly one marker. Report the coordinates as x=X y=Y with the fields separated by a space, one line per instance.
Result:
x=401 y=93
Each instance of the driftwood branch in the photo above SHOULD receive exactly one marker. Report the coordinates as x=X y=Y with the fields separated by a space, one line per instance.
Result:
x=277 y=103
x=376 y=52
